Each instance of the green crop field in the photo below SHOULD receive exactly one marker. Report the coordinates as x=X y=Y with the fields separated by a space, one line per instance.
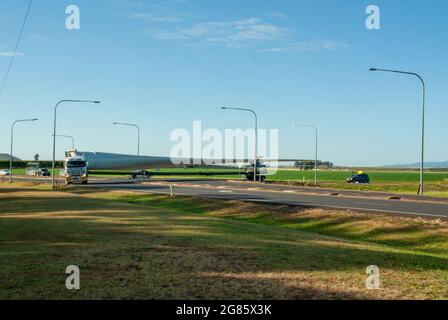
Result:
x=405 y=182
x=283 y=174
x=375 y=176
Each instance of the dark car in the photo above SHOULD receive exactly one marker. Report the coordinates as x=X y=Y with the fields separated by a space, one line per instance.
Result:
x=43 y=172
x=260 y=173
x=140 y=174
x=359 y=178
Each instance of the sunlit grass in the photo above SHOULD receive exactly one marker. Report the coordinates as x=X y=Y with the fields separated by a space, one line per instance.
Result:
x=135 y=246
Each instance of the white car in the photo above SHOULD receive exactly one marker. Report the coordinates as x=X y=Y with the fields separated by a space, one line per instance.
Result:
x=4 y=172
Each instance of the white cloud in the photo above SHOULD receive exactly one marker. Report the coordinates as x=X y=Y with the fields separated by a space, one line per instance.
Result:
x=10 y=54
x=278 y=15
x=313 y=45
x=236 y=33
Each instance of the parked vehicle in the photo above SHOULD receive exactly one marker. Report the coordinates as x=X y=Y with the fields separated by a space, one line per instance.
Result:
x=5 y=172
x=360 y=177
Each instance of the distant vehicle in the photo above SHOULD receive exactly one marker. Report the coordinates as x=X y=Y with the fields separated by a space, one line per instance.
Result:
x=5 y=172
x=140 y=174
x=43 y=172
x=261 y=172
x=360 y=177
x=34 y=169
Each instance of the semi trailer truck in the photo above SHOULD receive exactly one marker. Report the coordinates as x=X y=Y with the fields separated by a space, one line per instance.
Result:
x=75 y=168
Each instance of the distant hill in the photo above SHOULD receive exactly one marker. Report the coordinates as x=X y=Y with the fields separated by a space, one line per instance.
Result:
x=5 y=157
x=435 y=165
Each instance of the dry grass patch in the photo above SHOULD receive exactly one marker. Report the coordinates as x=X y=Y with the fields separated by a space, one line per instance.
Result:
x=134 y=246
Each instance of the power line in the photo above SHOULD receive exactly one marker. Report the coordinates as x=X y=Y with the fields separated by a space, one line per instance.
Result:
x=14 y=53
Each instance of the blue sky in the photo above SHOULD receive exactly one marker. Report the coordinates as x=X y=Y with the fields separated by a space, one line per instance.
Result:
x=164 y=64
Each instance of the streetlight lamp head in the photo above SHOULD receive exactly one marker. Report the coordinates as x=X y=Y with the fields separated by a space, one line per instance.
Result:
x=373 y=69
x=223 y=108
x=34 y=119
x=96 y=101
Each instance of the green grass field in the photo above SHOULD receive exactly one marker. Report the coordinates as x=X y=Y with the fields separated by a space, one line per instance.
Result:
x=289 y=175
x=297 y=175
x=375 y=176
x=134 y=246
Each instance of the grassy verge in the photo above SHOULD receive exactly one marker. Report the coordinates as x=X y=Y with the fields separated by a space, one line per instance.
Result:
x=133 y=246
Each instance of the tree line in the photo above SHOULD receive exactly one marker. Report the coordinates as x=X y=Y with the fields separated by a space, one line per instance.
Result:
x=24 y=164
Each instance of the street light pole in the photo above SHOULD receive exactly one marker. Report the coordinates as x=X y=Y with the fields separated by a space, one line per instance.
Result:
x=69 y=137
x=54 y=131
x=422 y=154
x=315 y=159
x=256 y=137
x=138 y=133
x=12 y=141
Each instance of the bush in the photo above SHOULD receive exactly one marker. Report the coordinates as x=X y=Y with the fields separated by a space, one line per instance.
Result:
x=23 y=164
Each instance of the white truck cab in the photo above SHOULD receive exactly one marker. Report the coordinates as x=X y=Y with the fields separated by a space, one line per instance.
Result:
x=75 y=168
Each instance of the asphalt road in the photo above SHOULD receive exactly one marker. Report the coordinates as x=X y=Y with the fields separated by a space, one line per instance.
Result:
x=296 y=196
x=372 y=202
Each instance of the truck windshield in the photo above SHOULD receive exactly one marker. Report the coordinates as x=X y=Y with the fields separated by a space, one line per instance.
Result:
x=76 y=164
